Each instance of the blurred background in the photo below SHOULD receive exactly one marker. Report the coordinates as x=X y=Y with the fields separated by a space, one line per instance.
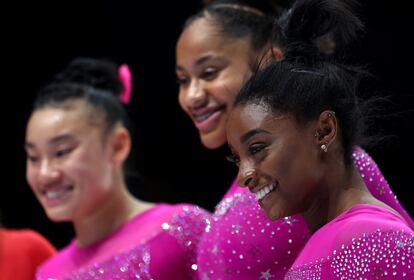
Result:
x=39 y=38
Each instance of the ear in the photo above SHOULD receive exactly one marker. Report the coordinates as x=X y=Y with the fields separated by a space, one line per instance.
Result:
x=274 y=53
x=326 y=129
x=120 y=145
x=277 y=53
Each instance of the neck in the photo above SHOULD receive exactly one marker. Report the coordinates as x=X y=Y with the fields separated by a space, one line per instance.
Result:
x=112 y=213
x=340 y=191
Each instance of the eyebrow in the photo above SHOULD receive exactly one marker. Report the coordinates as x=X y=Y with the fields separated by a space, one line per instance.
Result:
x=251 y=133
x=53 y=141
x=199 y=61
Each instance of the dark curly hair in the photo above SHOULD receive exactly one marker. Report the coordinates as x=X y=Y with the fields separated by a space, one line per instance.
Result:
x=93 y=80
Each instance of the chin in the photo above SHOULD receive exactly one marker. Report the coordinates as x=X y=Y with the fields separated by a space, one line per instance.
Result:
x=211 y=142
x=276 y=213
x=57 y=217
x=273 y=216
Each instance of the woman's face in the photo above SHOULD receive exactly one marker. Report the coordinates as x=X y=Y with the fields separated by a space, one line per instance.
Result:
x=69 y=165
x=210 y=70
x=278 y=159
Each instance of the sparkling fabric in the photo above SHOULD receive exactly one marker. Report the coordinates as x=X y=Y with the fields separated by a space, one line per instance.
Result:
x=134 y=264
x=365 y=242
x=241 y=243
x=377 y=184
x=157 y=244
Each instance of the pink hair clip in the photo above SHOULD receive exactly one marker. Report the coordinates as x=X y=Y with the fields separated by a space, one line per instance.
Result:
x=125 y=76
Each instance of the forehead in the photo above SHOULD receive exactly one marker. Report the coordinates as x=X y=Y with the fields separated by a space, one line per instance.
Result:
x=50 y=121
x=250 y=114
x=245 y=118
x=201 y=36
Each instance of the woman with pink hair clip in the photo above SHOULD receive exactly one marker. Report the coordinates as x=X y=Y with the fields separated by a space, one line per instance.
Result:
x=77 y=141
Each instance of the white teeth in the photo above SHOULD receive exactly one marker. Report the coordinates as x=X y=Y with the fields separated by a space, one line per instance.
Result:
x=55 y=194
x=202 y=117
x=264 y=191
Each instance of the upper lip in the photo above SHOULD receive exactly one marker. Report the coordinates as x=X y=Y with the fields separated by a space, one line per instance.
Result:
x=54 y=187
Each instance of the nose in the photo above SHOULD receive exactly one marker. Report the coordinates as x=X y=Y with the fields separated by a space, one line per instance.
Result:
x=48 y=173
x=195 y=95
x=247 y=176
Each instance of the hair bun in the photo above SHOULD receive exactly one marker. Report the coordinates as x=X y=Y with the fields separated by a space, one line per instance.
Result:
x=98 y=73
x=268 y=7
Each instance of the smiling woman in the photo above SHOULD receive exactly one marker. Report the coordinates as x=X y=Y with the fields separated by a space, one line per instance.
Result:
x=210 y=71
x=77 y=142
x=292 y=133
x=217 y=51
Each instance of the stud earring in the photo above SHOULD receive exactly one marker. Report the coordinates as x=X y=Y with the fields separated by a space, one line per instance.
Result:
x=324 y=148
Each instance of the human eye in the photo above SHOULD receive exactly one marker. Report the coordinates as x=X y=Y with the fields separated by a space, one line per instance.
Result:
x=32 y=158
x=233 y=159
x=209 y=73
x=63 y=152
x=182 y=81
x=256 y=149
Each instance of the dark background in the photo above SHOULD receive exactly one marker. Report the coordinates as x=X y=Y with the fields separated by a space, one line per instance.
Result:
x=40 y=38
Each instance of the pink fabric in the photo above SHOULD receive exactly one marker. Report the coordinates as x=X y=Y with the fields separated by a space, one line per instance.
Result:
x=241 y=243
x=377 y=184
x=365 y=242
x=155 y=244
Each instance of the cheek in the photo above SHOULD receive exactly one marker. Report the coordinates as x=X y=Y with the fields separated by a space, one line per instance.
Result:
x=82 y=165
x=230 y=89
x=238 y=76
x=95 y=164
x=30 y=176
x=227 y=85
x=289 y=168
x=301 y=181
x=280 y=164
x=182 y=96
x=229 y=98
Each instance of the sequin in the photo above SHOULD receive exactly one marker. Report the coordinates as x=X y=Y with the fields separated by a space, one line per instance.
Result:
x=165 y=246
x=239 y=225
x=376 y=183
x=187 y=228
x=240 y=241
x=379 y=255
x=134 y=264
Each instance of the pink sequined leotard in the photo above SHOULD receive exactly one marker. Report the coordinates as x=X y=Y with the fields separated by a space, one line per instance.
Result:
x=240 y=242
x=156 y=244
x=364 y=242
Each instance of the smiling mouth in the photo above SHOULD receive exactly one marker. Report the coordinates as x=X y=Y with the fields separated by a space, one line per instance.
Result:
x=56 y=193
x=204 y=116
x=264 y=191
